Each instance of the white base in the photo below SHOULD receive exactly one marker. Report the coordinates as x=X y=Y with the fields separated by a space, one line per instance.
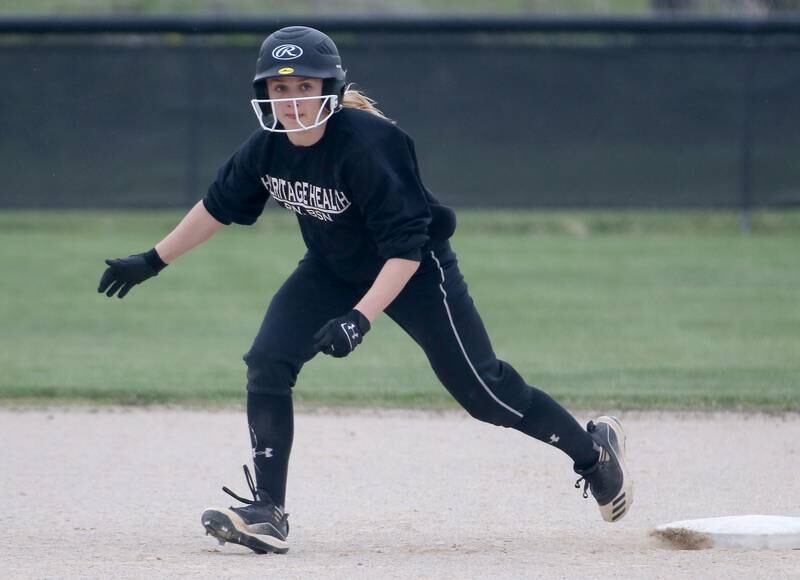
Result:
x=748 y=532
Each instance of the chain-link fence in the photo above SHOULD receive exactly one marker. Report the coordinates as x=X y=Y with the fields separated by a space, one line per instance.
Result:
x=553 y=113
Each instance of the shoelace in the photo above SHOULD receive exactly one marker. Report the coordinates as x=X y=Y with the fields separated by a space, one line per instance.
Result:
x=251 y=484
x=585 y=486
x=584 y=479
x=590 y=428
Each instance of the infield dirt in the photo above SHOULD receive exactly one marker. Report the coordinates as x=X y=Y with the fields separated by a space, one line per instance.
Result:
x=117 y=493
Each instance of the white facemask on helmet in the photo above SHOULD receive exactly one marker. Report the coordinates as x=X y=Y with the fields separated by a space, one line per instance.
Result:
x=328 y=105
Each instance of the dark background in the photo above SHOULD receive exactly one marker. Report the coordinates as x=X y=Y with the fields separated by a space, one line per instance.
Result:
x=585 y=118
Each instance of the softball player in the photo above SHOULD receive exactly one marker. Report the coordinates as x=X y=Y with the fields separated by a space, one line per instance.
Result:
x=377 y=241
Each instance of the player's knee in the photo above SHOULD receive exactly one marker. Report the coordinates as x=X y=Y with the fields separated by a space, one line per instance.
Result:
x=269 y=375
x=490 y=411
x=498 y=397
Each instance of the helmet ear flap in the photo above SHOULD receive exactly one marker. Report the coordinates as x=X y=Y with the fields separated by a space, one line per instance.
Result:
x=334 y=87
x=260 y=89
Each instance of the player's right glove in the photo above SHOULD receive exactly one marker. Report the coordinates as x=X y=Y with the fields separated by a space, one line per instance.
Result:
x=124 y=273
x=340 y=336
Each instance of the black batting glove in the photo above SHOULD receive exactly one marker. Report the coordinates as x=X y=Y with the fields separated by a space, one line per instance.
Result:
x=123 y=274
x=340 y=336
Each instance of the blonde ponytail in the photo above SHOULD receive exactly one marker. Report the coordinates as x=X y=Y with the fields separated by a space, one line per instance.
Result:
x=355 y=99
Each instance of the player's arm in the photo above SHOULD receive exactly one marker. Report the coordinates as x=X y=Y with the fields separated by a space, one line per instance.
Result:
x=341 y=335
x=392 y=278
x=195 y=228
x=122 y=274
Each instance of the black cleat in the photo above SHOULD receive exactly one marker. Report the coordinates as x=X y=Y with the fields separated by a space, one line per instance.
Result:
x=608 y=479
x=261 y=525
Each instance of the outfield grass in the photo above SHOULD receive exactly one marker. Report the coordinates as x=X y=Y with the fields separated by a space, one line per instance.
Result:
x=602 y=310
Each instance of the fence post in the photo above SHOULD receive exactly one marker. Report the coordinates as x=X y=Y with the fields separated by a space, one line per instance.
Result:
x=746 y=137
x=194 y=109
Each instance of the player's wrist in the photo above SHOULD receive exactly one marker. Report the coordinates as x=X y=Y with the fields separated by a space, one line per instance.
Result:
x=362 y=320
x=154 y=260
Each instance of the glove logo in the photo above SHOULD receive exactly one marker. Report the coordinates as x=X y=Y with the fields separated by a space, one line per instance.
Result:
x=287 y=52
x=340 y=336
x=350 y=333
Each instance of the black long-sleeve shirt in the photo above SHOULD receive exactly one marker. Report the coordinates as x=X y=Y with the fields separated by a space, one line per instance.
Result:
x=357 y=193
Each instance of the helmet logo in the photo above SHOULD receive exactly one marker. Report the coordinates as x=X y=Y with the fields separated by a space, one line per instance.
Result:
x=287 y=70
x=287 y=52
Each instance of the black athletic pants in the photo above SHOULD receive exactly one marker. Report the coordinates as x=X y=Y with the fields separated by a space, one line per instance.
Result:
x=435 y=309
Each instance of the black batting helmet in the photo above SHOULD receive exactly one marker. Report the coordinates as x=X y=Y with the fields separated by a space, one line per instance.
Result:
x=300 y=51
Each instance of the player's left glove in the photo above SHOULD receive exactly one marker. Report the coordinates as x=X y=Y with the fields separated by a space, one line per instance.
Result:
x=340 y=336
x=123 y=274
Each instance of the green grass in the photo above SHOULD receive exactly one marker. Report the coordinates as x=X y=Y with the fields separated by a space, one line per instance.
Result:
x=604 y=309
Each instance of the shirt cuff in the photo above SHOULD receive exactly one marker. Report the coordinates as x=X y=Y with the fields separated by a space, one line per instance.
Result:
x=215 y=211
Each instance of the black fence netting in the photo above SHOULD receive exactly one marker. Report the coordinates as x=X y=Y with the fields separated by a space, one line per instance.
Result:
x=588 y=119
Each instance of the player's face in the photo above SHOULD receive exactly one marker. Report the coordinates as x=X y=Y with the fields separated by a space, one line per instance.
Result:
x=289 y=112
